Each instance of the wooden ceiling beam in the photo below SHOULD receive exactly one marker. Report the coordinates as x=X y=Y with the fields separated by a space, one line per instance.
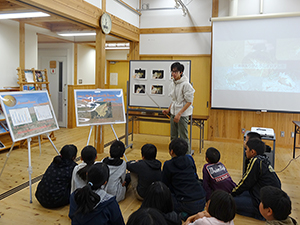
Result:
x=81 y=13
x=122 y=29
x=51 y=39
x=9 y=6
x=41 y=25
x=51 y=18
x=175 y=30
x=59 y=27
x=76 y=10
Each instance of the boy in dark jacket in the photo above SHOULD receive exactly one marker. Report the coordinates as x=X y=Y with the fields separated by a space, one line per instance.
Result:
x=144 y=172
x=180 y=175
x=259 y=173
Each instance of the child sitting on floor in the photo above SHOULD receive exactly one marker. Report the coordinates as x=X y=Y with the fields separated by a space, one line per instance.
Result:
x=88 y=155
x=215 y=175
x=117 y=171
x=180 y=175
x=144 y=172
x=158 y=196
x=91 y=204
x=275 y=206
x=259 y=173
x=220 y=211
x=53 y=191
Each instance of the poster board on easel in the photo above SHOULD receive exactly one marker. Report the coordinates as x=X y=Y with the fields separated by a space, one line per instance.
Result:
x=99 y=107
x=28 y=113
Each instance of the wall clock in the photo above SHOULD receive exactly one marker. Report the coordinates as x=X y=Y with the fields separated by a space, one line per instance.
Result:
x=105 y=23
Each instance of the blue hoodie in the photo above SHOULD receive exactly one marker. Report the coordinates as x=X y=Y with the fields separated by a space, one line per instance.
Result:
x=180 y=175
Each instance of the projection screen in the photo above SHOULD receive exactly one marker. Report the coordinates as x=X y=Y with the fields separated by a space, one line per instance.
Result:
x=256 y=64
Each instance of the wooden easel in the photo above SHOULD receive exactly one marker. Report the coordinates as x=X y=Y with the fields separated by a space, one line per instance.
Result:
x=112 y=128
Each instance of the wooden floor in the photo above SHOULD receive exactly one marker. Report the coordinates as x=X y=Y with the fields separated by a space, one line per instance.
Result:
x=15 y=207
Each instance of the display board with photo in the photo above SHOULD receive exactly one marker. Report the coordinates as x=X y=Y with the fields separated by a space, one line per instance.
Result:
x=99 y=106
x=149 y=82
x=28 y=114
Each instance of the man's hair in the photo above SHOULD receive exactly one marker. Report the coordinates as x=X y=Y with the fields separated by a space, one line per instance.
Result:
x=179 y=146
x=117 y=149
x=253 y=135
x=257 y=145
x=222 y=206
x=149 y=151
x=178 y=66
x=213 y=155
x=277 y=200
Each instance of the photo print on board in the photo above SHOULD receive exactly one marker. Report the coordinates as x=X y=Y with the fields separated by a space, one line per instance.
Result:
x=39 y=76
x=139 y=74
x=158 y=74
x=139 y=88
x=157 y=89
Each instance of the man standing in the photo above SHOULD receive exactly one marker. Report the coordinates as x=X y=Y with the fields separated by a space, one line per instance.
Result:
x=182 y=95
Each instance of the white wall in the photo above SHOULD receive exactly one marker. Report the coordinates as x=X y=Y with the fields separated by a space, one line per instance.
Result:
x=97 y=3
x=199 y=15
x=122 y=12
x=115 y=8
x=9 y=56
x=184 y=43
x=60 y=49
x=251 y=7
x=31 y=54
x=86 y=64
x=117 y=54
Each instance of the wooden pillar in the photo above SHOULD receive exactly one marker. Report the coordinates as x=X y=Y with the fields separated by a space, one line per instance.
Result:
x=100 y=82
x=75 y=63
x=22 y=45
x=134 y=54
x=134 y=51
x=215 y=8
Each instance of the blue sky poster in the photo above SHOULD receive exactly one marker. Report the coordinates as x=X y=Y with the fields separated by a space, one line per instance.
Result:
x=99 y=106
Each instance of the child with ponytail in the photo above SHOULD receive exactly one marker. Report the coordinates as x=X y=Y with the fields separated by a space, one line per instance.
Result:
x=88 y=156
x=91 y=205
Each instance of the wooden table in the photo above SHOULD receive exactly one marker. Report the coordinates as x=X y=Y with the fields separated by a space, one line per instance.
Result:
x=157 y=116
x=297 y=131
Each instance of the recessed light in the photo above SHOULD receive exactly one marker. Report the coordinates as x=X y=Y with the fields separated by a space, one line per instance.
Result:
x=22 y=15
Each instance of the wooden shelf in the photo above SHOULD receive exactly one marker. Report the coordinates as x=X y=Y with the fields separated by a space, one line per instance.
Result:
x=6 y=139
x=32 y=79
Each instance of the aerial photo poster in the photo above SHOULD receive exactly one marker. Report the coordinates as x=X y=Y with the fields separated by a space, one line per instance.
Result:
x=99 y=106
x=28 y=113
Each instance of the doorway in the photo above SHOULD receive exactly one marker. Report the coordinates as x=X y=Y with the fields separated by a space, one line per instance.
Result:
x=57 y=85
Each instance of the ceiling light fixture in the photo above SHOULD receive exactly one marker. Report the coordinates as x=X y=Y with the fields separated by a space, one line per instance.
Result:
x=4 y=16
x=77 y=34
x=116 y=46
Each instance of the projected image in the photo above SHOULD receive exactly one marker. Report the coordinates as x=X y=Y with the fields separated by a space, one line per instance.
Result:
x=139 y=74
x=158 y=74
x=157 y=89
x=139 y=89
x=252 y=65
